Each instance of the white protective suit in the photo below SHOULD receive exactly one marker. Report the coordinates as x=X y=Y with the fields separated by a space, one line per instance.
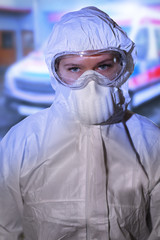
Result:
x=63 y=178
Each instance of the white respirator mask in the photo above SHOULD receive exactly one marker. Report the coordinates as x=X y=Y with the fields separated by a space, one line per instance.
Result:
x=96 y=104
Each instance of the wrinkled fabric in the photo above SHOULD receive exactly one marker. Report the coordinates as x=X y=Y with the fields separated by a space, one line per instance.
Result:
x=61 y=178
x=65 y=180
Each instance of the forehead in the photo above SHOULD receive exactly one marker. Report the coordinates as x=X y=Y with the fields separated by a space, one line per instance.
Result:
x=90 y=58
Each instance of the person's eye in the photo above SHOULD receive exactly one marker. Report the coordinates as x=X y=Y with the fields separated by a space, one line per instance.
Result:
x=104 y=66
x=74 y=69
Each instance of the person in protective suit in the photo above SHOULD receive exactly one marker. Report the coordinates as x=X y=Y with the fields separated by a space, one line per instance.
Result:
x=86 y=167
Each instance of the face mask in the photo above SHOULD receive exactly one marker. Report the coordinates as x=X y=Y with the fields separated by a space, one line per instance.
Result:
x=96 y=104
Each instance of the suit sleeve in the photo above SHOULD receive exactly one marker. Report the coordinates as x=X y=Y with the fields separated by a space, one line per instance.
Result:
x=155 y=194
x=11 y=204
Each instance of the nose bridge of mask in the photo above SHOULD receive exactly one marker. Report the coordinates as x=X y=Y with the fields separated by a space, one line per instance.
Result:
x=91 y=75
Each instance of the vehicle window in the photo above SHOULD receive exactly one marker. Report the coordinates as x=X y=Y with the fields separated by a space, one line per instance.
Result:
x=157 y=34
x=142 y=43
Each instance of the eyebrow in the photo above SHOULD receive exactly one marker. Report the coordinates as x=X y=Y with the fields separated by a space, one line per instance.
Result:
x=81 y=65
x=105 y=60
x=72 y=65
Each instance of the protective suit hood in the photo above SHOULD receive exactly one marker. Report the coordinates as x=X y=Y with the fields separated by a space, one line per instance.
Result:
x=88 y=29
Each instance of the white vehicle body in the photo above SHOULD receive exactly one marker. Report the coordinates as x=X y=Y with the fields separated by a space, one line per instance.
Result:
x=27 y=85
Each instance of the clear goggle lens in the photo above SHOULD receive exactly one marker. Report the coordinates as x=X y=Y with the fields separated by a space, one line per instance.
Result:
x=68 y=68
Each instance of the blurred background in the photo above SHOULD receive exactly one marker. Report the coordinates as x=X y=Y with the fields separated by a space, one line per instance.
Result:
x=24 y=28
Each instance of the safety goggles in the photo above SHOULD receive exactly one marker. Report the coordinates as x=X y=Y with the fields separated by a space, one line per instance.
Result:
x=70 y=67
